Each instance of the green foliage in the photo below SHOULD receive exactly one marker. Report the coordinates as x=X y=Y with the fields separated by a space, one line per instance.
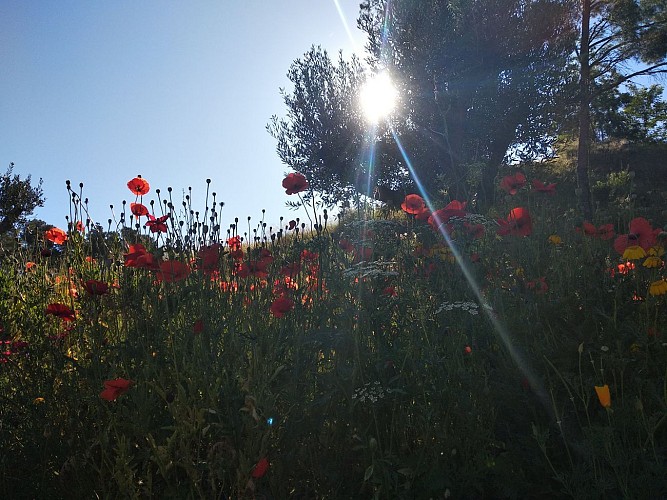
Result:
x=18 y=199
x=406 y=367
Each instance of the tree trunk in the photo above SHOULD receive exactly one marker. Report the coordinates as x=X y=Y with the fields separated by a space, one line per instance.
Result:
x=584 y=190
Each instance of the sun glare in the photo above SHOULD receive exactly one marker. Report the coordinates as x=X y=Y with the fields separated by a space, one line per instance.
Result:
x=378 y=97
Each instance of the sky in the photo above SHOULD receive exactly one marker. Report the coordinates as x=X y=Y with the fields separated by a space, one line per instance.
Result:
x=178 y=91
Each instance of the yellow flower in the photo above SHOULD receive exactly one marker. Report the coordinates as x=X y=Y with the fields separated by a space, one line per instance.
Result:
x=554 y=239
x=658 y=288
x=656 y=250
x=634 y=252
x=652 y=261
x=603 y=395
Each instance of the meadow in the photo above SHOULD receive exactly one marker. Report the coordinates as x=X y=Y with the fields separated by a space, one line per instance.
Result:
x=519 y=353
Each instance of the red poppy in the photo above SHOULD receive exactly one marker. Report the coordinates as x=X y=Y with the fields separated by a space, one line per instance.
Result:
x=198 y=326
x=291 y=270
x=138 y=209
x=114 y=388
x=346 y=245
x=157 y=225
x=94 y=287
x=234 y=242
x=133 y=255
x=295 y=183
x=641 y=234
x=518 y=223
x=139 y=186
x=281 y=306
x=56 y=235
x=80 y=227
x=260 y=468
x=209 y=257
x=512 y=183
x=540 y=187
x=172 y=270
x=60 y=311
x=539 y=285
x=454 y=208
x=413 y=204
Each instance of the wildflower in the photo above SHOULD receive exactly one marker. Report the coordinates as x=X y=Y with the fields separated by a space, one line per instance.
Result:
x=115 y=388
x=260 y=468
x=454 y=208
x=539 y=285
x=390 y=291
x=540 y=187
x=157 y=225
x=281 y=306
x=624 y=268
x=413 y=204
x=653 y=261
x=603 y=395
x=658 y=288
x=604 y=232
x=295 y=183
x=198 y=326
x=38 y=401
x=94 y=287
x=467 y=349
x=346 y=246
x=518 y=223
x=641 y=234
x=209 y=257
x=60 y=311
x=138 y=209
x=512 y=183
x=634 y=252
x=474 y=231
x=56 y=235
x=29 y=266
x=138 y=186
x=656 y=250
x=172 y=270
x=554 y=239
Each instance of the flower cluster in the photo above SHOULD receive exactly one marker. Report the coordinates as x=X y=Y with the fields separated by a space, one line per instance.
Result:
x=467 y=306
x=371 y=392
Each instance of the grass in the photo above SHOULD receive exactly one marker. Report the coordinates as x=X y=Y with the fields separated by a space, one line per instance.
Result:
x=372 y=359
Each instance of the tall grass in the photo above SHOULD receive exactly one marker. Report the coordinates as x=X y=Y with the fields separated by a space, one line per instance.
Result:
x=373 y=359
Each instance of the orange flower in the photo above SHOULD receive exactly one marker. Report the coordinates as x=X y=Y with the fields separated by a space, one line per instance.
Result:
x=138 y=209
x=413 y=204
x=114 y=388
x=29 y=266
x=603 y=395
x=518 y=223
x=56 y=235
x=139 y=186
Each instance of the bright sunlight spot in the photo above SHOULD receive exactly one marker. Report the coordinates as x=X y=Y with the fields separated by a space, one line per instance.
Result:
x=378 y=97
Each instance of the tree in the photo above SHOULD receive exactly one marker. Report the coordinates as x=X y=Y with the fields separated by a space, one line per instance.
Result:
x=476 y=78
x=480 y=79
x=614 y=34
x=18 y=199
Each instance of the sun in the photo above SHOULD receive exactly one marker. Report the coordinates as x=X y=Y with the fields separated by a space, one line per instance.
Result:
x=378 y=97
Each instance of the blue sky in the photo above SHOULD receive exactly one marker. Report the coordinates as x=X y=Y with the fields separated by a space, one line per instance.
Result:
x=177 y=91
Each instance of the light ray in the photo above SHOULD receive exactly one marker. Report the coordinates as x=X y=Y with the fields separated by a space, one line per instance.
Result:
x=499 y=328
